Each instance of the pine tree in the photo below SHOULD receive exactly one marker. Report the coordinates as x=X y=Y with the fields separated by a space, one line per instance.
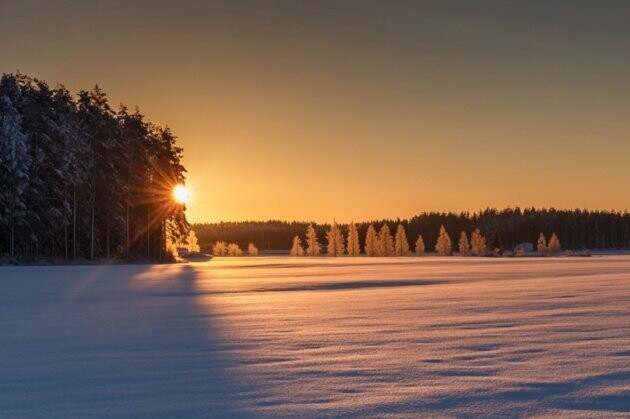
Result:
x=385 y=242
x=313 y=247
x=252 y=250
x=353 y=240
x=478 y=243
x=444 y=245
x=464 y=246
x=554 y=244
x=420 y=246
x=219 y=248
x=542 y=245
x=296 y=248
x=371 y=241
x=401 y=245
x=14 y=162
x=335 y=245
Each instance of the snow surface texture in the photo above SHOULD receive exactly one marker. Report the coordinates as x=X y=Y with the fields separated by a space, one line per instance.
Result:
x=277 y=336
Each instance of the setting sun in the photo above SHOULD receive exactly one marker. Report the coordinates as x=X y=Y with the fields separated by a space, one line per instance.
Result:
x=181 y=194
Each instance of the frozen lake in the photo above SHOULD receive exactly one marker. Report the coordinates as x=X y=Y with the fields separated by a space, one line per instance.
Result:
x=279 y=336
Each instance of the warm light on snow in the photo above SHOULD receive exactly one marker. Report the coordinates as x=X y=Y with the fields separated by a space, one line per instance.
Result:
x=181 y=194
x=313 y=337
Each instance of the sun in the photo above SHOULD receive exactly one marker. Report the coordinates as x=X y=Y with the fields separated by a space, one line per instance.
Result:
x=181 y=194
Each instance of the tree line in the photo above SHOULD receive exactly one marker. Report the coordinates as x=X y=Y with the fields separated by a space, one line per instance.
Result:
x=503 y=229
x=82 y=181
x=383 y=244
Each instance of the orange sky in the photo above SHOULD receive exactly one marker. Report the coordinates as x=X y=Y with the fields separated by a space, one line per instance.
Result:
x=357 y=110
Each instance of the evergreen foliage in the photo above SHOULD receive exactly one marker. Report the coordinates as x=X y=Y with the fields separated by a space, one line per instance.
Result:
x=352 y=241
x=578 y=229
x=313 y=247
x=401 y=245
x=463 y=245
x=335 y=245
x=79 y=180
x=420 y=246
x=296 y=248
x=371 y=242
x=444 y=246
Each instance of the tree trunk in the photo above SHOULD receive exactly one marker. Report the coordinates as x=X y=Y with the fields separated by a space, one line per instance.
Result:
x=74 y=221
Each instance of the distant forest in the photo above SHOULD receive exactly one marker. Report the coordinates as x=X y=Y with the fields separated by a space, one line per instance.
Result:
x=577 y=229
x=79 y=180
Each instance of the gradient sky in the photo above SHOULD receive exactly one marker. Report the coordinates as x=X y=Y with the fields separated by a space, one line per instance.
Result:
x=355 y=109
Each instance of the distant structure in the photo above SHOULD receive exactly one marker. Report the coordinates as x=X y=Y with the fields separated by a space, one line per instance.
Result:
x=524 y=248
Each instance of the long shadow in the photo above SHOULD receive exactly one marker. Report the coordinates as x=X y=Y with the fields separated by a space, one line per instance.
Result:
x=111 y=341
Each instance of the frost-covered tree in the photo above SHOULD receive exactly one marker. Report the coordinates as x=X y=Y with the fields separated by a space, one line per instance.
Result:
x=15 y=162
x=220 y=248
x=385 y=242
x=401 y=245
x=193 y=243
x=420 y=246
x=464 y=246
x=554 y=244
x=335 y=245
x=478 y=245
x=313 y=248
x=296 y=248
x=234 y=249
x=541 y=245
x=252 y=250
x=444 y=246
x=353 y=240
x=371 y=241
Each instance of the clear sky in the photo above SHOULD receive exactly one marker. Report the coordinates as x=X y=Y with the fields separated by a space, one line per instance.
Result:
x=357 y=109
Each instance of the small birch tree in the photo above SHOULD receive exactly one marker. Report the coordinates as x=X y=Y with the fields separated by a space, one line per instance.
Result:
x=352 y=242
x=252 y=250
x=296 y=248
x=444 y=246
x=401 y=245
x=219 y=248
x=312 y=245
x=464 y=246
x=371 y=241
x=234 y=249
x=420 y=246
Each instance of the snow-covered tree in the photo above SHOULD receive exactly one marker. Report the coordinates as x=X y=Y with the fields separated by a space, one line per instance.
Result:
x=234 y=249
x=252 y=250
x=554 y=244
x=401 y=245
x=464 y=246
x=353 y=240
x=541 y=246
x=420 y=246
x=193 y=243
x=385 y=242
x=444 y=246
x=220 y=248
x=14 y=162
x=296 y=248
x=335 y=245
x=371 y=241
x=312 y=245
x=478 y=243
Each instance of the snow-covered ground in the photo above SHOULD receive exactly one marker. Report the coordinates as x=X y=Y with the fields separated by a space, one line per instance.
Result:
x=277 y=336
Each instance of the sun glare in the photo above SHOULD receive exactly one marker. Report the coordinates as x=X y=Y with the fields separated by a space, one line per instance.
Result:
x=181 y=194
